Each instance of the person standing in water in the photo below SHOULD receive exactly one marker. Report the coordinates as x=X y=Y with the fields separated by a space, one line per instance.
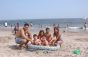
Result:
x=6 y=24
x=54 y=25
x=31 y=24
x=66 y=29
x=85 y=25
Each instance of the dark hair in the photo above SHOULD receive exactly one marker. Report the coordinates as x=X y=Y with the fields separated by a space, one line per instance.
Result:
x=26 y=24
x=56 y=33
x=41 y=31
x=47 y=28
x=56 y=28
x=34 y=35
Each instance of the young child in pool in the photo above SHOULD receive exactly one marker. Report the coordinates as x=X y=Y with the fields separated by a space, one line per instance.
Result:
x=36 y=41
x=42 y=37
x=44 y=42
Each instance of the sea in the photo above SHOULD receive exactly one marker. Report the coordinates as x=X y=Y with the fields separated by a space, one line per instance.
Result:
x=38 y=23
x=62 y=22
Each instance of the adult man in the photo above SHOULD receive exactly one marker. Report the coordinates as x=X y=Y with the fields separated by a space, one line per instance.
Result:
x=23 y=36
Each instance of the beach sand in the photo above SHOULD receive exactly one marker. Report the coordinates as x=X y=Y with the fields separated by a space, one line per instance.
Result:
x=72 y=41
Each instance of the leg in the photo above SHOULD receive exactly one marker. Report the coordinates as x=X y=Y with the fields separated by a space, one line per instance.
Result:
x=46 y=43
x=59 y=43
x=26 y=42
x=39 y=43
x=52 y=43
x=22 y=43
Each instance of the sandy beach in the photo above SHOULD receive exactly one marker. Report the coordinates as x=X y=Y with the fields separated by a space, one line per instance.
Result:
x=72 y=41
x=43 y=28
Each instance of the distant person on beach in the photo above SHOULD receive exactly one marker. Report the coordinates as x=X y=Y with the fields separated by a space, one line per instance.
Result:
x=11 y=26
x=48 y=35
x=16 y=28
x=57 y=40
x=54 y=25
x=41 y=26
x=58 y=26
x=85 y=25
x=6 y=24
x=66 y=28
x=23 y=36
x=36 y=41
x=31 y=24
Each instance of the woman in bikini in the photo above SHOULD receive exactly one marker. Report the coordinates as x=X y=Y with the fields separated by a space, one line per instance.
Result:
x=57 y=37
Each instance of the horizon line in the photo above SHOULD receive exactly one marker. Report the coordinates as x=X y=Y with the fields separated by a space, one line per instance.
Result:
x=39 y=18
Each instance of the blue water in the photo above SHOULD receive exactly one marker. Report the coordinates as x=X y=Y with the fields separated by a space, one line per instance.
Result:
x=62 y=22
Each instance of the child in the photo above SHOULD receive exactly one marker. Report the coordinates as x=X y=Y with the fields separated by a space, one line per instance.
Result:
x=42 y=37
x=41 y=34
x=36 y=41
x=48 y=35
x=44 y=42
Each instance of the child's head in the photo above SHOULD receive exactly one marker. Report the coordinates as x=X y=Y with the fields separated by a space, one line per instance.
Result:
x=47 y=29
x=43 y=38
x=35 y=36
x=41 y=33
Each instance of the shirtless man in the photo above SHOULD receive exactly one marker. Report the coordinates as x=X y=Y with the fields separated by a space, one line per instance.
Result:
x=48 y=35
x=23 y=36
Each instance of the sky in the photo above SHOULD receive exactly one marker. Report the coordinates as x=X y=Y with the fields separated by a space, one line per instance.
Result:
x=40 y=9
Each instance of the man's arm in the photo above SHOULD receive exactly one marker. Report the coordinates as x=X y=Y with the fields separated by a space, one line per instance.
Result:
x=24 y=36
x=30 y=36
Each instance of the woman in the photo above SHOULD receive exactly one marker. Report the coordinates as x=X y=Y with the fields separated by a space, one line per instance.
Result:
x=57 y=37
